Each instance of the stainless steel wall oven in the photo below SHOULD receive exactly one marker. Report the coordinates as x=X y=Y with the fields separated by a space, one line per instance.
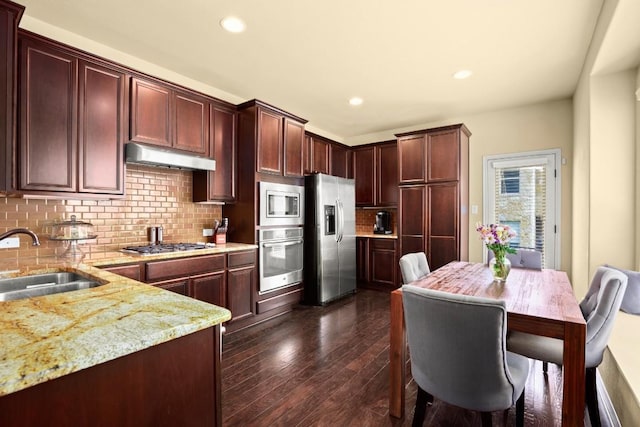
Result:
x=281 y=259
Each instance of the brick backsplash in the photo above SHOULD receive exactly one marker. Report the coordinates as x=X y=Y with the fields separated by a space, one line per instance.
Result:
x=365 y=218
x=154 y=196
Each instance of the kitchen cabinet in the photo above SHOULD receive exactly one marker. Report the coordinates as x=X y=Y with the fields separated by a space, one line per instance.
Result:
x=433 y=208
x=164 y=116
x=341 y=161
x=362 y=259
x=376 y=175
x=275 y=136
x=167 y=384
x=209 y=288
x=316 y=154
x=219 y=185
x=226 y=280
x=71 y=126
x=10 y=14
x=377 y=263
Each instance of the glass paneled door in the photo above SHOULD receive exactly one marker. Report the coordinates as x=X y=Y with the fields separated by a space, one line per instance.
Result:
x=523 y=191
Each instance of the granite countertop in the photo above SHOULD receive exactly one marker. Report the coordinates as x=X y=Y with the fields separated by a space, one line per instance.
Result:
x=47 y=337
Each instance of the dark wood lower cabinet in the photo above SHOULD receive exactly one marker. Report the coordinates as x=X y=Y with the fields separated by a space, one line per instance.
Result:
x=209 y=288
x=377 y=263
x=241 y=285
x=176 y=383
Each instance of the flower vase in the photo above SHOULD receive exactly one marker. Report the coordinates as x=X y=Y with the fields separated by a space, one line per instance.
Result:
x=500 y=267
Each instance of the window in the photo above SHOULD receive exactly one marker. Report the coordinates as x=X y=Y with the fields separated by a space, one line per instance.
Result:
x=510 y=182
x=515 y=226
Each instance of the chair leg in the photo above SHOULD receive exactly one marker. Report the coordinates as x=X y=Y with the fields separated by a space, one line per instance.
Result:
x=592 y=397
x=545 y=367
x=422 y=400
x=520 y=410
x=486 y=419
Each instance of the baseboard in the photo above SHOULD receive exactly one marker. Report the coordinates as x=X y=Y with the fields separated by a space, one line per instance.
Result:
x=607 y=412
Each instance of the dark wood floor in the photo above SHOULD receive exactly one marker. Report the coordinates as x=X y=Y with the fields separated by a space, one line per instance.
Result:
x=328 y=366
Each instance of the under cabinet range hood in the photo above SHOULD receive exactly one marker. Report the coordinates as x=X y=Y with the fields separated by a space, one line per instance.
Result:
x=156 y=156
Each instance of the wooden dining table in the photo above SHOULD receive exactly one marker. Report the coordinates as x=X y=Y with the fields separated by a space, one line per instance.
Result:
x=539 y=302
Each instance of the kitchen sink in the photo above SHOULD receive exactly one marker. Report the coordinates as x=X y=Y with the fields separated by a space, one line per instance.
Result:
x=43 y=284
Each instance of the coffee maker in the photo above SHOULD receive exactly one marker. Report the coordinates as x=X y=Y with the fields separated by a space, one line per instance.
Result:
x=383 y=223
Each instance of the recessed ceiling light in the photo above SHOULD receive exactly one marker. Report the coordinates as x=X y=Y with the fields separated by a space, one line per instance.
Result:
x=355 y=101
x=462 y=74
x=232 y=24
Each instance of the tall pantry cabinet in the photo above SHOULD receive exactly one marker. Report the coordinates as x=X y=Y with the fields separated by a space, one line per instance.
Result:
x=434 y=193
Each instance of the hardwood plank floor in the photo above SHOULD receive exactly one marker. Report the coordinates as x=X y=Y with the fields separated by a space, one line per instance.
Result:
x=329 y=366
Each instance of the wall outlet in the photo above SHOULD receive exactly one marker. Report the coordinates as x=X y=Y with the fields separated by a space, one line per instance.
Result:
x=10 y=242
x=207 y=232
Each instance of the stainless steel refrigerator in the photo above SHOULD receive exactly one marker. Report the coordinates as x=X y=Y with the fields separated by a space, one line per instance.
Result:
x=329 y=238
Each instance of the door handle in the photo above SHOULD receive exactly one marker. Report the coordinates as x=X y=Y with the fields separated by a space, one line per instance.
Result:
x=271 y=245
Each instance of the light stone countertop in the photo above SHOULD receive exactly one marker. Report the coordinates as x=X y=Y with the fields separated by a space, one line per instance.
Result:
x=47 y=337
x=377 y=236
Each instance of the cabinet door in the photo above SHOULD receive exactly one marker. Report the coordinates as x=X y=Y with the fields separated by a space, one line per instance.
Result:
x=362 y=259
x=269 y=142
x=387 y=179
x=10 y=14
x=443 y=223
x=209 y=288
x=382 y=261
x=340 y=161
x=320 y=156
x=413 y=209
x=100 y=129
x=180 y=286
x=150 y=113
x=191 y=123
x=293 y=148
x=223 y=146
x=364 y=171
x=306 y=154
x=443 y=155
x=241 y=286
x=48 y=131
x=411 y=159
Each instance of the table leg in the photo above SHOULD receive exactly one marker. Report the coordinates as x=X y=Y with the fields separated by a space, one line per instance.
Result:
x=397 y=356
x=574 y=375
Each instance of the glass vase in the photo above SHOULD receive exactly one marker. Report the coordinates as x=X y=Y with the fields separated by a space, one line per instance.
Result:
x=500 y=267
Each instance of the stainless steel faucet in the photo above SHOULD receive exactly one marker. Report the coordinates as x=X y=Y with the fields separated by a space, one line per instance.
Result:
x=36 y=241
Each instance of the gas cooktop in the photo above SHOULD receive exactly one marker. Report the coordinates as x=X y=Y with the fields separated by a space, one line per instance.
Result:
x=163 y=248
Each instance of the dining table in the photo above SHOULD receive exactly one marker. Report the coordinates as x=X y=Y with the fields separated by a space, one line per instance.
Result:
x=539 y=302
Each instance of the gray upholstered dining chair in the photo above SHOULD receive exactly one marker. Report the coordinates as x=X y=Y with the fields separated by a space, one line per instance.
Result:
x=413 y=266
x=599 y=308
x=458 y=353
x=523 y=258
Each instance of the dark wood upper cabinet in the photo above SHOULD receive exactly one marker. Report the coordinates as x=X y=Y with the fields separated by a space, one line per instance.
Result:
x=341 y=161
x=150 y=113
x=48 y=106
x=293 y=148
x=320 y=156
x=412 y=159
x=387 y=171
x=101 y=130
x=443 y=155
x=269 y=142
x=376 y=175
x=71 y=122
x=168 y=117
x=365 y=175
x=191 y=124
x=275 y=136
x=10 y=14
x=219 y=185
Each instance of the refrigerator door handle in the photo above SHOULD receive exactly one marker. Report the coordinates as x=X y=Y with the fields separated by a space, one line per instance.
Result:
x=341 y=217
x=338 y=220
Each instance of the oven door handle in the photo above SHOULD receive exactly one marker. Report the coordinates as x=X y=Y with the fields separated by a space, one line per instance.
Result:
x=287 y=243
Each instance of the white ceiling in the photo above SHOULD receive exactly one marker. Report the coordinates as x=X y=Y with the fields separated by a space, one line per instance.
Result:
x=309 y=57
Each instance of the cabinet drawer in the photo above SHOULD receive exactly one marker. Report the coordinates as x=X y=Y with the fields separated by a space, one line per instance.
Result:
x=292 y=297
x=130 y=271
x=163 y=270
x=389 y=244
x=239 y=259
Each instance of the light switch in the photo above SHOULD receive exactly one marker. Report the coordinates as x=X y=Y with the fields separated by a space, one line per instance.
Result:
x=474 y=209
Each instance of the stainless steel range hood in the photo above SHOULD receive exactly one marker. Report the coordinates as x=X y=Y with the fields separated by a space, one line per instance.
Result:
x=155 y=156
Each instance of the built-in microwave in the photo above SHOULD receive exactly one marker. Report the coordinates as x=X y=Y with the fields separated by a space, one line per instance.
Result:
x=281 y=204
